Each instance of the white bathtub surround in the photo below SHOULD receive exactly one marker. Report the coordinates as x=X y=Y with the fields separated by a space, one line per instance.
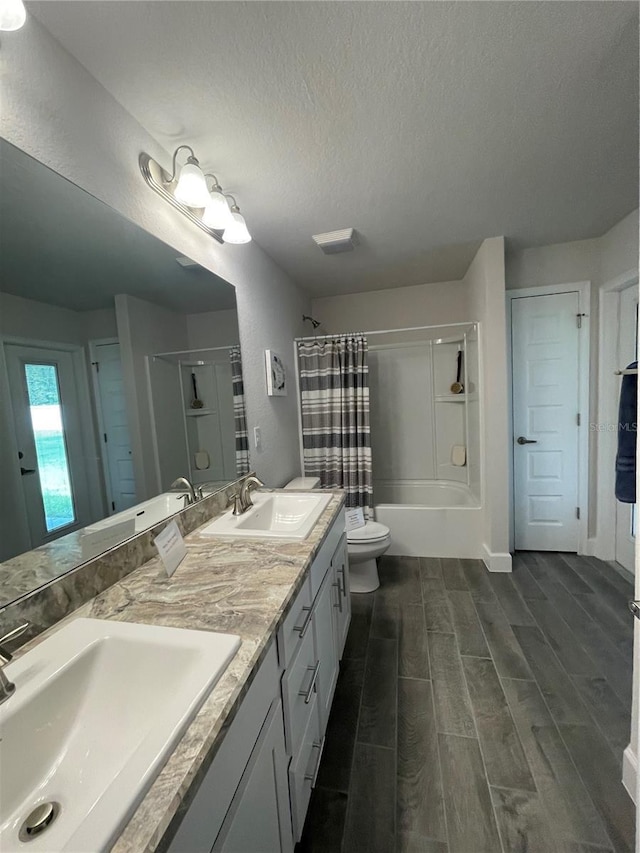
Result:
x=435 y=519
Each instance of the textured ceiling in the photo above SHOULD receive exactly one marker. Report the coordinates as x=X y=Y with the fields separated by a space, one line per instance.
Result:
x=423 y=125
x=62 y=246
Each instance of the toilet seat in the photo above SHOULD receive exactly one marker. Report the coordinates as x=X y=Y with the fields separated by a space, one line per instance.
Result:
x=372 y=532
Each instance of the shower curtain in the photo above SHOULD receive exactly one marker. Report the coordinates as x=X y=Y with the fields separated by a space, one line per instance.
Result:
x=239 y=413
x=334 y=392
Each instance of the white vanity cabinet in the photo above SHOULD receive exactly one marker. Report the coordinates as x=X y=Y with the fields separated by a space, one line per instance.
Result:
x=255 y=795
x=342 y=604
x=258 y=818
x=242 y=804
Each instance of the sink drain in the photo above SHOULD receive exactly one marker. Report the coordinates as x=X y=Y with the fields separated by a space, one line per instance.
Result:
x=38 y=820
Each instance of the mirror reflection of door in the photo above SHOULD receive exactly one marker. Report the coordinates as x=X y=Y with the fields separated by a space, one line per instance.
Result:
x=627 y=349
x=113 y=425
x=47 y=421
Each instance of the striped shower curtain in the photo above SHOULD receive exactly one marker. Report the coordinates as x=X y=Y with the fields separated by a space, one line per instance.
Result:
x=239 y=413
x=334 y=391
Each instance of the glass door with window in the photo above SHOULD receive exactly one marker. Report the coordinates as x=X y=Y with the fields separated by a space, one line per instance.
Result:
x=48 y=428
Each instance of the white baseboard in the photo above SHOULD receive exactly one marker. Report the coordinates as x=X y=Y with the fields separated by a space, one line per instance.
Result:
x=630 y=771
x=496 y=562
x=591 y=548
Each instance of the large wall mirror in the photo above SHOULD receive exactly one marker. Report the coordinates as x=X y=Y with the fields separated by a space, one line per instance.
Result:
x=120 y=371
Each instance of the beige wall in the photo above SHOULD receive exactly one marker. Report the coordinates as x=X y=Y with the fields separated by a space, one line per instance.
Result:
x=54 y=110
x=421 y=305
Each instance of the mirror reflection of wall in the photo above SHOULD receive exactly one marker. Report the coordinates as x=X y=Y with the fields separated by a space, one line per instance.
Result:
x=87 y=299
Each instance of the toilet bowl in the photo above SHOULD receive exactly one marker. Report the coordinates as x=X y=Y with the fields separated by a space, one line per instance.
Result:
x=364 y=544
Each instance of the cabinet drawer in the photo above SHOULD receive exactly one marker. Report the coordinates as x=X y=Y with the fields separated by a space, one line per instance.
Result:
x=304 y=769
x=299 y=690
x=296 y=626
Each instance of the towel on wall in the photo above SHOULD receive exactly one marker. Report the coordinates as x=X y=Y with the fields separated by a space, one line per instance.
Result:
x=627 y=429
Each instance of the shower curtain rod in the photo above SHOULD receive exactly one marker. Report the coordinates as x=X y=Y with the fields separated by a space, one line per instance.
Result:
x=385 y=331
x=191 y=351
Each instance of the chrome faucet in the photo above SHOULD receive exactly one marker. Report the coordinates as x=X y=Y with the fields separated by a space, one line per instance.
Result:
x=192 y=494
x=242 y=501
x=7 y=688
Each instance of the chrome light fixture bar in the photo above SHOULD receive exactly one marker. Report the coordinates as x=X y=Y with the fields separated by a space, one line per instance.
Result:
x=206 y=208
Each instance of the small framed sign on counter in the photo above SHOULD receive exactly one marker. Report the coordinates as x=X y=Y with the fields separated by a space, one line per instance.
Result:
x=171 y=547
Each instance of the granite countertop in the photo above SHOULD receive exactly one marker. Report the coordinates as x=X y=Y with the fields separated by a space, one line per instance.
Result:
x=234 y=586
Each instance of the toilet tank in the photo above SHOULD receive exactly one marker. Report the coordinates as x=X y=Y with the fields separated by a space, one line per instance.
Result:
x=304 y=483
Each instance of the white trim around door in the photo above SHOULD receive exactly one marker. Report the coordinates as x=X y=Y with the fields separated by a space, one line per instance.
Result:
x=604 y=544
x=583 y=289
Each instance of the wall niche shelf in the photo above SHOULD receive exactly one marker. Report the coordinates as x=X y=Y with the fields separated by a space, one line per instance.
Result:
x=453 y=398
x=199 y=413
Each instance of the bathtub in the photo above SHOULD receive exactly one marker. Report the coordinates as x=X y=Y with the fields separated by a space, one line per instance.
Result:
x=426 y=518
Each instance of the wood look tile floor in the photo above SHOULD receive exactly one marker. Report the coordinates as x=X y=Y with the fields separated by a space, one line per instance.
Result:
x=479 y=713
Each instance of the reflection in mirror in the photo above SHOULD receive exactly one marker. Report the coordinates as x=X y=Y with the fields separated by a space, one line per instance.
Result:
x=120 y=371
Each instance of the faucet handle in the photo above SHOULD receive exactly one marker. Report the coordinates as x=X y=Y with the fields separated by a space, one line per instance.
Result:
x=6 y=656
x=237 y=504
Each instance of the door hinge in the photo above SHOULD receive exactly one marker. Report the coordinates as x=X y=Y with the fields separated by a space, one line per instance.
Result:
x=96 y=364
x=578 y=419
x=577 y=512
x=113 y=505
x=579 y=319
x=104 y=435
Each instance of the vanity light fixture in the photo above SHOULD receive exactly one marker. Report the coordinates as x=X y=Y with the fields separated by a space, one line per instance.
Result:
x=217 y=214
x=237 y=231
x=12 y=15
x=186 y=189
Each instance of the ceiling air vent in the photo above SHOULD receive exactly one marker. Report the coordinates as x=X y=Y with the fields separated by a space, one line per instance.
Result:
x=336 y=241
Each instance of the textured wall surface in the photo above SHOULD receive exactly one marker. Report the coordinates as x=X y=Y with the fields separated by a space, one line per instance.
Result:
x=486 y=281
x=421 y=305
x=54 y=110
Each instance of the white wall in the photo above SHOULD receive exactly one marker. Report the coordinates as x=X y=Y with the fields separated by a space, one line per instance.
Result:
x=144 y=329
x=420 y=305
x=486 y=280
x=598 y=261
x=54 y=110
x=213 y=329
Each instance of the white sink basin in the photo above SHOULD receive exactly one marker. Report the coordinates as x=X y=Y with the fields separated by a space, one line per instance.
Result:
x=97 y=708
x=286 y=515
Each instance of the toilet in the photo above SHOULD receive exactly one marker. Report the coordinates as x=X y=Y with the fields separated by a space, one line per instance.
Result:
x=364 y=544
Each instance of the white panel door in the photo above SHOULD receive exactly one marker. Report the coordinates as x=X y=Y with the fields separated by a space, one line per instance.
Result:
x=627 y=348
x=545 y=408
x=116 y=443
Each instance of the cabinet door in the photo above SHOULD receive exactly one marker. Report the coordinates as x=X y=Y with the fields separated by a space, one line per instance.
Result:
x=259 y=818
x=342 y=599
x=326 y=648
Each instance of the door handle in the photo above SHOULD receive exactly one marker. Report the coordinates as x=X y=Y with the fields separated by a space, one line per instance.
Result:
x=634 y=607
x=24 y=471
x=523 y=440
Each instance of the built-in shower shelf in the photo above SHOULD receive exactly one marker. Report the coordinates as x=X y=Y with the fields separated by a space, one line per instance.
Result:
x=198 y=413
x=455 y=398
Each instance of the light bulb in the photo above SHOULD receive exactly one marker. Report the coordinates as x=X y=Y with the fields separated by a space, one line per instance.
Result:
x=237 y=231
x=12 y=14
x=217 y=214
x=192 y=187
